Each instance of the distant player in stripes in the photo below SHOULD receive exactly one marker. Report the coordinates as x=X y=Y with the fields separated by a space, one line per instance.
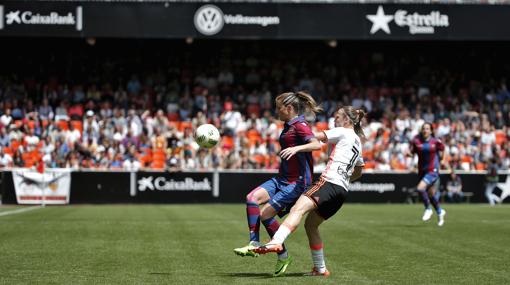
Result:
x=278 y=194
x=430 y=153
x=327 y=195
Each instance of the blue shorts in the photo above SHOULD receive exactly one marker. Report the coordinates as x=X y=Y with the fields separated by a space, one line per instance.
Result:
x=282 y=194
x=430 y=178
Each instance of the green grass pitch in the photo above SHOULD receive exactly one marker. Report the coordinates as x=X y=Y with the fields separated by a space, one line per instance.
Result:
x=192 y=244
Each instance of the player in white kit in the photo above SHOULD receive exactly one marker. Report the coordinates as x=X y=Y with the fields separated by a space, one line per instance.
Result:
x=327 y=195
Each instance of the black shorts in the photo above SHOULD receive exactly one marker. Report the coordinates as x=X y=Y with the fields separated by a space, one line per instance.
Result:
x=328 y=197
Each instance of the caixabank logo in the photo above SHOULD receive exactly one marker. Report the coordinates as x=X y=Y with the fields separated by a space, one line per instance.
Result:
x=414 y=22
x=12 y=17
x=160 y=183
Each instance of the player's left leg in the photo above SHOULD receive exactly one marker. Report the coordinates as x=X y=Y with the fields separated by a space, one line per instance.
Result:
x=422 y=190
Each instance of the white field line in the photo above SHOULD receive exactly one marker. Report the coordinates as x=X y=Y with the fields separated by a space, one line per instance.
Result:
x=17 y=211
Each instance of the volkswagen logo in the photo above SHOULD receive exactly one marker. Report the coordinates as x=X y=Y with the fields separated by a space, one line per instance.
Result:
x=208 y=20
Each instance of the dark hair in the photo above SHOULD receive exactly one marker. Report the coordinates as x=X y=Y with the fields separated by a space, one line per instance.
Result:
x=355 y=115
x=301 y=101
x=431 y=129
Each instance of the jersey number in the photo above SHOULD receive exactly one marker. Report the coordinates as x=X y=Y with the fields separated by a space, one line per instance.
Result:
x=353 y=159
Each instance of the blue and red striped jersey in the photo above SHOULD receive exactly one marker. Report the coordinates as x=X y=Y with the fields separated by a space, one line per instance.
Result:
x=299 y=168
x=428 y=153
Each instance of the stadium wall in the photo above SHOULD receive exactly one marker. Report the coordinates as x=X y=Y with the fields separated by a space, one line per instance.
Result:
x=95 y=187
x=254 y=20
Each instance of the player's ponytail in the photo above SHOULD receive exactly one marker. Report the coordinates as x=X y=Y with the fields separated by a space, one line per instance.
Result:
x=301 y=101
x=355 y=115
x=307 y=103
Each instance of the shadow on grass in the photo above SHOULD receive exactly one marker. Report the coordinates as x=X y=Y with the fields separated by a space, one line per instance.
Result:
x=260 y=275
x=402 y=226
x=160 y=273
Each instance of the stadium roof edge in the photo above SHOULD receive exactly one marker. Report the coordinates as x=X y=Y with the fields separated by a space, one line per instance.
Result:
x=480 y=2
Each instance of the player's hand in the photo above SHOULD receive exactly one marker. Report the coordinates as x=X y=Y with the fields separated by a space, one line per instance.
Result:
x=288 y=152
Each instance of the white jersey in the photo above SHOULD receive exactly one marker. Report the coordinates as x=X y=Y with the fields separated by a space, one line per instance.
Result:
x=345 y=155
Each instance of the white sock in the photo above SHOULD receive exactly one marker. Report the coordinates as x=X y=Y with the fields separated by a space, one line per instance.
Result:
x=283 y=255
x=281 y=234
x=318 y=258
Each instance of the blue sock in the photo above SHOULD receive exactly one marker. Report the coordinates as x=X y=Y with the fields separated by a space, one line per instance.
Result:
x=435 y=202
x=272 y=226
x=425 y=198
x=253 y=215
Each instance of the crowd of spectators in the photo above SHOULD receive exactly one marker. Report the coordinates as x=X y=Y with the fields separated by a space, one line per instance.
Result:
x=96 y=108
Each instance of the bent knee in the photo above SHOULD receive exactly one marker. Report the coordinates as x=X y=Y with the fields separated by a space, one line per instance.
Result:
x=250 y=198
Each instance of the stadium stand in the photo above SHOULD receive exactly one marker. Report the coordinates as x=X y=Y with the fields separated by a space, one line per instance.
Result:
x=109 y=109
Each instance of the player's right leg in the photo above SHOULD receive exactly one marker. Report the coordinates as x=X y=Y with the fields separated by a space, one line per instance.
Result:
x=492 y=198
x=422 y=190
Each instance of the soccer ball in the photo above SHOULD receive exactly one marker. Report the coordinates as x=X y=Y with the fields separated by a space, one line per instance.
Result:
x=207 y=135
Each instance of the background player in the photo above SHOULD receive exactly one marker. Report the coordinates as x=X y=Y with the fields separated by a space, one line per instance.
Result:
x=430 y=152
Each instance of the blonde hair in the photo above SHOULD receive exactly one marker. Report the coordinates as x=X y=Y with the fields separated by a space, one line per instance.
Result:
x=301 y=102
x=355 y=115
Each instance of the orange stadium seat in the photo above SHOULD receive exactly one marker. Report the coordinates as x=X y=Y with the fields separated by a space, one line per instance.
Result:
x=174 y=124
x=158 y=164
x=316 y=153
x=259 y=158
x=63 y=125
x=368 y=154
x=253 y=109
x=321 y=126
x=31 y=124
x=227 y=142
x=253 y=136
x=78 y=125
x=18 y=123
x=173 y=117
x=480 y=166
x=386 y=135
x=159 y=155
x=500 y=137
x=184 y=125
x=15 y=145
x=8 y=151
x=369 y=164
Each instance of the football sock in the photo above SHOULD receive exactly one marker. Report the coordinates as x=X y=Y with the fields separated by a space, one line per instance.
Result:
x=272 y=226
x=425 y=197
x=435 y=203
x=253 y=214
x=283 y=232
x=318 y=257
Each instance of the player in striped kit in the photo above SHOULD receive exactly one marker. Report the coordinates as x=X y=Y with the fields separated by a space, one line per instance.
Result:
x=430 y=152
x=279 y=193
x=327 y=195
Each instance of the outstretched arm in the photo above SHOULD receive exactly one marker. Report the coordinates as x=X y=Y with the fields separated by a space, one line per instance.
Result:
x=312 y=145
x=321 y=136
